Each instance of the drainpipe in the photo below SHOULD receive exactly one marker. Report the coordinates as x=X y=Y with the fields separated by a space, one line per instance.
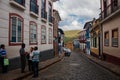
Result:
x=101 y=40
x=101 y=32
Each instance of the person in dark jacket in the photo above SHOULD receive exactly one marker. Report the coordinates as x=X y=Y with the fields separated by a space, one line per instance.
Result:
x=22 y=57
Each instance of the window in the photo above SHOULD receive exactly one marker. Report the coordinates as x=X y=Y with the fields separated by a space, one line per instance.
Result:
x=95 y=42
x=91 y=41
x=105 y=8
x=50 y=9
x=115 y=2
x=115 y=38
x=34 y=7
x=114 y=5
x=43 y=4
x=106 y=38
x=33 y=33
x=43 y=11
x=50 y=12
x=16 y=29
x=21 y=2
x=50 y=35
x=43 y=34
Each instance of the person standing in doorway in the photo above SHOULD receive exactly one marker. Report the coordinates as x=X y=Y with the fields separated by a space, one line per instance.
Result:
x=23 y=57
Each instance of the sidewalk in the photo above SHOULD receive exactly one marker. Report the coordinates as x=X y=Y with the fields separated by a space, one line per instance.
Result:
x=111 y=67
x=17 y=75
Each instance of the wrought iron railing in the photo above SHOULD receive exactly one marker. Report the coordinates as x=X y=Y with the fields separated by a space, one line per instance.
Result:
x=110 y=9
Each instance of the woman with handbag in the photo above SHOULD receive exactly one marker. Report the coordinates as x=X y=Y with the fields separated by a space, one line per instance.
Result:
x=29 y=58
x=2 y=58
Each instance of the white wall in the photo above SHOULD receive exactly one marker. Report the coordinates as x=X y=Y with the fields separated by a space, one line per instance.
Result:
x=109 y=26
x=5 y=9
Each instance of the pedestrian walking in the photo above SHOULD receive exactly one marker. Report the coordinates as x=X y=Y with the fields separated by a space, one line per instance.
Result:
x=35 y=61
x=59 y=49
x=3 y=56
x=22 y=57
x=29 y=57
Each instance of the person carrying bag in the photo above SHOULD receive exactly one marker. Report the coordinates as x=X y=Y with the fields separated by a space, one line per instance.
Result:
x=6 y=62
x=3 y=60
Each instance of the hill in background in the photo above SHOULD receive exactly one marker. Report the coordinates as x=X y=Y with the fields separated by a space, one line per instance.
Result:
x=70 y=35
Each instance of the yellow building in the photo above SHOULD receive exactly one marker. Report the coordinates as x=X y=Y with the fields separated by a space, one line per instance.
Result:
x=95 y=38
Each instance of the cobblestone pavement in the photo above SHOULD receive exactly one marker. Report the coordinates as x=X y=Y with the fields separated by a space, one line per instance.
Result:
x=75 y=67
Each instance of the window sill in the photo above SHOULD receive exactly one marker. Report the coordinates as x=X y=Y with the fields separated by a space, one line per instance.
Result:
x=116 y=46
x=44 y=20
x=14 y=44
x=33 y=43
x=43 y=43
x=17 y=4
x=50 y=43
x=33 y=14
x=106 y=45
x=51 y=24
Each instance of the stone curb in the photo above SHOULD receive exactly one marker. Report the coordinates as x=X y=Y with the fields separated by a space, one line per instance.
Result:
x=108 y=68
x=44 y=67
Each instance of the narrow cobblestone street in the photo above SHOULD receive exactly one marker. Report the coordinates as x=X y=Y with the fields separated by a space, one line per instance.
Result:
x=75 y=67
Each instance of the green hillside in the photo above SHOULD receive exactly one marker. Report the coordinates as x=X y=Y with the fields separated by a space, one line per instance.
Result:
x=70 y=35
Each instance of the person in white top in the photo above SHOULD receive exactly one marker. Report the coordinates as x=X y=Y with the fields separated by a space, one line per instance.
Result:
x=30 y=59
x=35 y=61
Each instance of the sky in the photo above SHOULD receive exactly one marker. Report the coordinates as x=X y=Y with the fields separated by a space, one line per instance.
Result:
x=74 y=13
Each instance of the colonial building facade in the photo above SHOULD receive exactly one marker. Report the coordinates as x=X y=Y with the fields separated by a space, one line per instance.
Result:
x=110 y=16
x=29 y=22
x=95 y=38
x=82 y=40
x=87 y=28
x=60 y=40
x=55 y=31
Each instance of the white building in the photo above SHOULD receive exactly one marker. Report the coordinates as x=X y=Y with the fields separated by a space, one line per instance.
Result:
x=28 y=21
x=82 y=40
x=110 y=25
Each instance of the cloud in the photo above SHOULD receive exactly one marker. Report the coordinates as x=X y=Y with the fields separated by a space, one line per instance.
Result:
x=75 y=13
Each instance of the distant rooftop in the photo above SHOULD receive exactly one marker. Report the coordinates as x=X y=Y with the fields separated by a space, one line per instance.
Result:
x=54 y=0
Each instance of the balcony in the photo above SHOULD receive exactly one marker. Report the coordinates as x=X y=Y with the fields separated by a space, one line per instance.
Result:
x=51 y=20
x=18 y=3
x=44 y=15
x=34 y=8
x=110 y=11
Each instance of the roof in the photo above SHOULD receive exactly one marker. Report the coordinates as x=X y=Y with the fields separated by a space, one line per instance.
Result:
x=61 y=31
x=81 y=31
x=87 y=25
x=57 y=14
x=54 y=0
